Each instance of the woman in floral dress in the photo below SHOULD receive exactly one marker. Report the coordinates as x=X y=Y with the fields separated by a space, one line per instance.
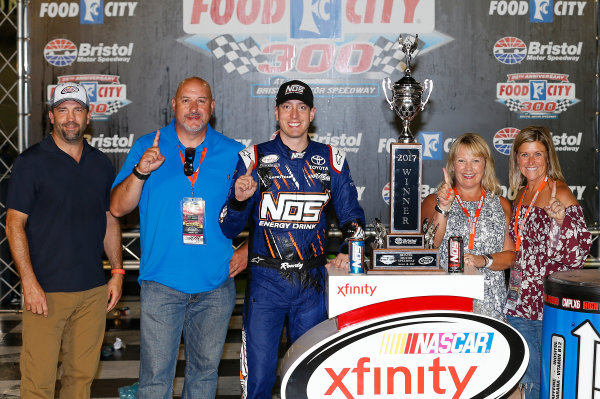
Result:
x=549 y=232
x=469 y=197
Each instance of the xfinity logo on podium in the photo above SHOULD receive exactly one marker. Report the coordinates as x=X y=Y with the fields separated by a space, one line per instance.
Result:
x=435 y=354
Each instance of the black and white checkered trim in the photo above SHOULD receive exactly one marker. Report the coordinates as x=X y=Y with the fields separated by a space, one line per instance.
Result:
x=241 y=57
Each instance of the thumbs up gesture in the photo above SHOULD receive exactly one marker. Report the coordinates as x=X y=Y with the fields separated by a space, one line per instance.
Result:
x=445 y=194
x=555 y=209
x=245 y=185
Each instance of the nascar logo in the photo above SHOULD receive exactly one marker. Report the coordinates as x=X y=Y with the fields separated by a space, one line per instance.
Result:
x=421 y=343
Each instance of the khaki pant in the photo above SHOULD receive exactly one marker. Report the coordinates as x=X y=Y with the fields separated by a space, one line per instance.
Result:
x=74 y=329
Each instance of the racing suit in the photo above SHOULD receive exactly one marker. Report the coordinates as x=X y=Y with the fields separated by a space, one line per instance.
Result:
x=287 y=246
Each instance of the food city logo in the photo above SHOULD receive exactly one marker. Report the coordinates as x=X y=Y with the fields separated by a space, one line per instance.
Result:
x=427 y=355
x=563 y=142
x=308 y=37
x=537 y=95
x=434 y=145
x=106 y=93
x=63 y=52
x=89 y=11
x=512 y=50
x=540 y=11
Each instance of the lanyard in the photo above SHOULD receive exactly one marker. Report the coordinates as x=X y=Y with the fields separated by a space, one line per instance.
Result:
x=472 y=219
x=194 y=176
x=519 y=226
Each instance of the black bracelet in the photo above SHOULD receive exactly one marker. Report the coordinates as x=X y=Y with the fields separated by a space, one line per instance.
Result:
x=139 y=175
x=443 y=212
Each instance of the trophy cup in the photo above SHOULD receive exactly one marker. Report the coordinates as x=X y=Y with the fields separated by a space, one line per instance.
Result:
x=407 y=94
x=404 y=245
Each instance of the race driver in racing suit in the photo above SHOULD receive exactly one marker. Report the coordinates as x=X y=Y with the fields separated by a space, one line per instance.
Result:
x=285 y=185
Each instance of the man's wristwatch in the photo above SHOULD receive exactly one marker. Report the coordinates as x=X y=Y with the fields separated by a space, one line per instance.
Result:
x=488 y=260
x=139 y=175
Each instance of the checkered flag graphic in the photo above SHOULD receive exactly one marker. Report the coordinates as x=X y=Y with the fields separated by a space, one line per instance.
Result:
x=387 y=56
x=113 y=107
x=562 y=105
x=513 y=105
x=241 y=57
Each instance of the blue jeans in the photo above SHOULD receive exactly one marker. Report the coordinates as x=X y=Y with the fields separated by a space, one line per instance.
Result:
x=203 y=318
x=531 y=330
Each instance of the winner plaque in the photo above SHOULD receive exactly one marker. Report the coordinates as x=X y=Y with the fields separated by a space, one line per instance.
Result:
x=397 y=250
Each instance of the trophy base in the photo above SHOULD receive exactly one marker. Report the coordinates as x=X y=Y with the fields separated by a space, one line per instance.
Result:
x=404 y=259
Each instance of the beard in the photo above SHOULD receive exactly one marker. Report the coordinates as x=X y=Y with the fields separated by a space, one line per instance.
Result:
x=70 y=136
x=194 y=129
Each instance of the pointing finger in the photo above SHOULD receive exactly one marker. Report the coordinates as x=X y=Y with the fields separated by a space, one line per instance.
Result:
x=553 y=195
x=156 y=138
x=447 y=177
x=250 y=168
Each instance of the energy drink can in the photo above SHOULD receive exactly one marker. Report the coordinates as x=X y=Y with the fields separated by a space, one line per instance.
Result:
x=456 y=255
x=356 y=251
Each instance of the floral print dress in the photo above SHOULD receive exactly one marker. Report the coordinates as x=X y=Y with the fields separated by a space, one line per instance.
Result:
x=546 y=248
x=489 y=239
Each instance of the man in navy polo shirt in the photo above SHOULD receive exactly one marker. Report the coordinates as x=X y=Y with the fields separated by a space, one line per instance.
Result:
x=179 y=176
x=58 y=224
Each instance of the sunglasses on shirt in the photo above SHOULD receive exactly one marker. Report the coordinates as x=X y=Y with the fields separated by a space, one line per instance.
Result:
x=188 y=164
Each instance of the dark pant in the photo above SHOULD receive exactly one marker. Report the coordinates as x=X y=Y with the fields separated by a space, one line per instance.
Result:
x=270 y=300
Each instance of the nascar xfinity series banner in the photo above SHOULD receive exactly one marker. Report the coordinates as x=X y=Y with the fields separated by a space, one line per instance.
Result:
x=497 y=66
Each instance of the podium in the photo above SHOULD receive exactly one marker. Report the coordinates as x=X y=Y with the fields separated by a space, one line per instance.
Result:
x=404 y=335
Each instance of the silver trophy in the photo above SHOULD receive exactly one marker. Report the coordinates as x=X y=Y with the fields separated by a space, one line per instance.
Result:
x=407 y=94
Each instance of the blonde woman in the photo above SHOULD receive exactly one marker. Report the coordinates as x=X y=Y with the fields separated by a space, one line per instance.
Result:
x=468 y=204
x=549 y=232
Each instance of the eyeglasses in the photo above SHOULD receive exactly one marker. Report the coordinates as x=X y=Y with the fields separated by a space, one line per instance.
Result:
x=188 y=164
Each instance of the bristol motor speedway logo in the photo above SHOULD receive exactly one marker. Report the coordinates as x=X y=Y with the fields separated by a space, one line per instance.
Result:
x=107 y=95
x=63 y=52
x=512 y=50
x=563 y=142
x=308 y=37
x=504 y=138
x=537 y=95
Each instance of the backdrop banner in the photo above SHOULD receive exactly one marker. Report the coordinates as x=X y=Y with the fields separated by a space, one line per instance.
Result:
x=497 y=67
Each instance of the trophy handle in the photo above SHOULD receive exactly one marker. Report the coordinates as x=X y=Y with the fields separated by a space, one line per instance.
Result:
x=428 y=85
x=388 y=82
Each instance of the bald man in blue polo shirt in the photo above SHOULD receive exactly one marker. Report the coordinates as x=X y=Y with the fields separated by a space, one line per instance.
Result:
x=179 y=177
